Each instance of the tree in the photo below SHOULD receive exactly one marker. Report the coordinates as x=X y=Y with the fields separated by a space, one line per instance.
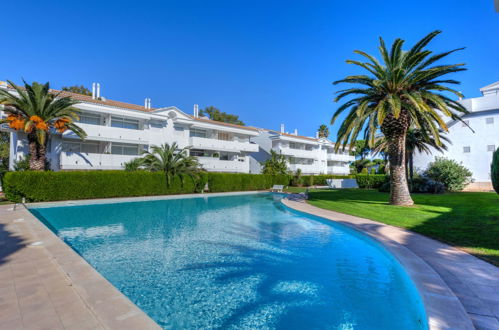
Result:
x=133 y=165
x=77 y=89
x=416 y=140
x=403 y=89
x=217 y=115
x=171 y=160
x=362 y=149
x=323 y=131
x=494 y=170
x=361 y=164
x=37 y=112
x=276 y=164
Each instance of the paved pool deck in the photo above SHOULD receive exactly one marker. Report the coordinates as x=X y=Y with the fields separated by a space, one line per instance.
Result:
x=44 y=284
x=459 y=291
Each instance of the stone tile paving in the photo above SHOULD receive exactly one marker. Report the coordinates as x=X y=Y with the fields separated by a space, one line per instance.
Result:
x=440 y=271
x=44 y=284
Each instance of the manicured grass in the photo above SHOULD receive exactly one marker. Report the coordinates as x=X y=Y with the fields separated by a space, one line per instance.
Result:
x=469 y=221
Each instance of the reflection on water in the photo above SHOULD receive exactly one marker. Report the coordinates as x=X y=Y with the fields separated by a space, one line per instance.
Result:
x=239 y=262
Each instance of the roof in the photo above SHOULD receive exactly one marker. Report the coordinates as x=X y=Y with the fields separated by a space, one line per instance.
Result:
x=223 y=124
x=294 y=136
x=87 y=98
x=491 y=87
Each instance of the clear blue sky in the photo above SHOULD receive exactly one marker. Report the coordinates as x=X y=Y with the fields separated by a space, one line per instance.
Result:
x=270 y=62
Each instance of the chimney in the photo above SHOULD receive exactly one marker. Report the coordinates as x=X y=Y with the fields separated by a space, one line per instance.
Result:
x=282 y=128
x=317 y=134
x=296 y=131
x=98 y=91
x=147 y=103
x=196 y=110
x=93 y=91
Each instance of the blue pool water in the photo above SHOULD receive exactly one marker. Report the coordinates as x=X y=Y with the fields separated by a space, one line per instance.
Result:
x=243 y=262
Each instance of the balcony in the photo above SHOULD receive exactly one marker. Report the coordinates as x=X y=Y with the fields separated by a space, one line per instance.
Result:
x=222 y=145
x=306 y=168
x=340 y=158
x=297 y=153
x=108 y=133
x=87 y=161
x=338 y=170
x=216 y=165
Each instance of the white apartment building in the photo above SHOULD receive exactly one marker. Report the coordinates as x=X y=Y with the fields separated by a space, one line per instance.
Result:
x=310 y=155
x=473 y=149
x=118 y=132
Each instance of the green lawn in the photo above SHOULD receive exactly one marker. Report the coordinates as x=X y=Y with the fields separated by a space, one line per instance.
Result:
x=466 y=220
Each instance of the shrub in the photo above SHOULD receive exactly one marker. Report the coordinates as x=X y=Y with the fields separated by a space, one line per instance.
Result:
x=494 y=171
x=219 y=182
x=297 y=180
x=53 y=186
x=419 y=185
x=320 y=180
x=453 y=175
x=364 y=171
x=371 y=181
x=308 y=180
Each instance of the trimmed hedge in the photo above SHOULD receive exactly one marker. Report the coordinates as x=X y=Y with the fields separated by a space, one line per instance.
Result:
x=370 y=181
x=320 y=180
x=55 y=186
x=494 y=170
x=220 y=182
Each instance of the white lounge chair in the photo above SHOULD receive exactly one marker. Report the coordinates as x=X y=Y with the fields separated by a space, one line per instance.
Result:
x=277 y=188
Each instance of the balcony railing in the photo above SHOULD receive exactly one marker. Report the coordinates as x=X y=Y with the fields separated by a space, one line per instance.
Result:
x=216 y=165
x=222 y=145
x=298 y=153
x=306 y=168
x=340 y=158
x=83 y=161
x=339 y=170
x=108 y=133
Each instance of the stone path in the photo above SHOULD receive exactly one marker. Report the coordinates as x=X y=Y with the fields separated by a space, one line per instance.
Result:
x=44 y=284
x=440 y=271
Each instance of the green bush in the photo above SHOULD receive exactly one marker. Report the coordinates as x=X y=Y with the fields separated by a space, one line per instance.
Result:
x=449 y=172
x=371 y=181
x=219 y=182
x=494 y=171
x=53 y=186
x=364 y=171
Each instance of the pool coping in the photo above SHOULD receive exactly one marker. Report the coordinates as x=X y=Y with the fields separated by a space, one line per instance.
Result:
x=110 y=308
x=454 y=297
x=114 y=200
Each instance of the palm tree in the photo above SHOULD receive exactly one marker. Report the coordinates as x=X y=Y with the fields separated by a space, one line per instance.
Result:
x=416 y=140
x=37 y=111
x=323 y=131
x=171 y=160
x=402 y=90
x=276 y=164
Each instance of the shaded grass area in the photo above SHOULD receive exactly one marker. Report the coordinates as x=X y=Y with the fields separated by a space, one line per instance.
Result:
x=467 y=220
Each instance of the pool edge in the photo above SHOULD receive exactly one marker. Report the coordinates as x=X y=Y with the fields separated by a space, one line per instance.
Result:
x=443 y=309
x=109 y=305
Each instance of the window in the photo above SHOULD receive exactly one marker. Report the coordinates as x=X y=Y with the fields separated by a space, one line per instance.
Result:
x=224 y=136
x=293 y=145
x=466 y=150
x=86 y=147
x=194 y=132
x=124 y=149
x=224 y=156
x=489 y=121
x=88 y=118
x=178 y=128
x=197 y=153
x=465 y=123
x=156 y=124
x=491 y=147
x=124 y=123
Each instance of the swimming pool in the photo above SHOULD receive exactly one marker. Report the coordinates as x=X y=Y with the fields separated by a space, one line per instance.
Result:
x=242 y=261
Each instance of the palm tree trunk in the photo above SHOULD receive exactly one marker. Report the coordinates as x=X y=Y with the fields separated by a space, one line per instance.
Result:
x=37 y=153
x=399 y=190
x=411 y=166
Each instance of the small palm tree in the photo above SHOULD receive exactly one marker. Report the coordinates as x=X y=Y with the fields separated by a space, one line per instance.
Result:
x=323 y=131
x=38 y=113
x=416 y=140
x=402 y=90
x=171 y=160
x=133 y=165
x=276 y=164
